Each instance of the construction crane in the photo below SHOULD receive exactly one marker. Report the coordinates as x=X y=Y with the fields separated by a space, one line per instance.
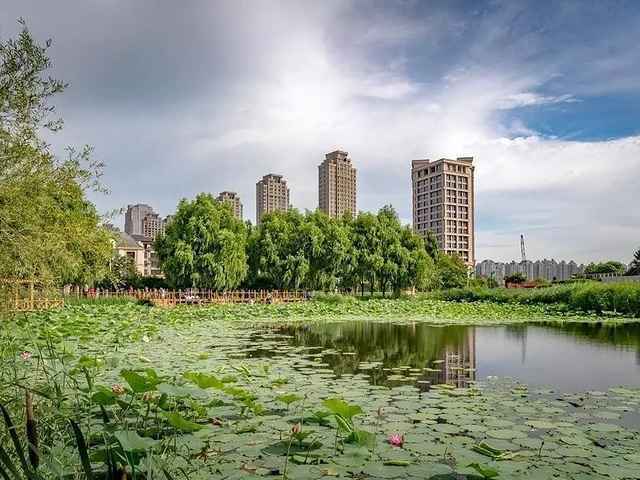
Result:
x=523 y=263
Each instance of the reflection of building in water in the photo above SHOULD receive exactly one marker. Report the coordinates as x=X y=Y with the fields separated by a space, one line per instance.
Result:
x=457 y=363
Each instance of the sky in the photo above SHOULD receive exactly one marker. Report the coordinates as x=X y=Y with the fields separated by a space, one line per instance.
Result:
x=179 y=98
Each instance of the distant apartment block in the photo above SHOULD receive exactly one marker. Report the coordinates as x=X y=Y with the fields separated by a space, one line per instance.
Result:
x=443 y=202
x=337 y=184
x=232 y=199
x=272 y=194
x=140 y=219
x=547 y=269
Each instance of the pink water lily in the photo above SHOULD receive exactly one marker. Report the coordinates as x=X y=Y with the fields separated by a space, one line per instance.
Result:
x=26 y=355
x=396 y=440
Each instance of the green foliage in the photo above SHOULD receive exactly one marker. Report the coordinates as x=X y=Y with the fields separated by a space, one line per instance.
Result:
x=596 y=297
x=451 y=271
x=289 y=250
x=194 y=420
x=49 y=231
x=518 y=277
x=613 y=267
x=203 y=246
x=635 y=263
x=431 y=245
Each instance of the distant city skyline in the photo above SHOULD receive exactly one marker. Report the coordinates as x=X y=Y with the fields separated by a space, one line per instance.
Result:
x=182 y=99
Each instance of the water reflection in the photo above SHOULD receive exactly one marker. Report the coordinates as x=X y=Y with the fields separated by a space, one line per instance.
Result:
x=563 y=356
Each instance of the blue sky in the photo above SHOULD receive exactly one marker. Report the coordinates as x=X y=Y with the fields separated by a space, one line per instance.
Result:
x=183 y=97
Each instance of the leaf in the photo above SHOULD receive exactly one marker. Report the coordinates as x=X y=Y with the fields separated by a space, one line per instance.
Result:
x=342 y=408
x=14 y=437
x=4 y=457
x=82 y=450
x=343 y=424
x=131 y=441
x=486 y=472
x=104 y=397
x=362 y=437
x=288 y=399
x=138 y=383
x=179 y=422
x=204 y=381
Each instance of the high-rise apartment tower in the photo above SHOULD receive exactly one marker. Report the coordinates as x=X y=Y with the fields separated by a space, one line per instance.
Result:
x=140 y=219
x=272 y=194
x=232 y=199
x=443 y=203
x=337 y=184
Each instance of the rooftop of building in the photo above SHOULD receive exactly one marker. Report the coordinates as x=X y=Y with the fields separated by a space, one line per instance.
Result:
x=125 y=241
x=425 y=161
x=276 y=176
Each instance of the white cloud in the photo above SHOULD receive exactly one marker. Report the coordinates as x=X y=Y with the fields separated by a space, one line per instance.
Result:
x=259 y=87
x=529 y=98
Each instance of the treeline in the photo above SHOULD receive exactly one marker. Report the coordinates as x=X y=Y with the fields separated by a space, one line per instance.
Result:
x=205 y=246
x=583 y=296
x=49 y=231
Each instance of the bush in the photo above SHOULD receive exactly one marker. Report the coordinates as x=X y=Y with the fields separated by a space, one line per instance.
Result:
x=623 y=298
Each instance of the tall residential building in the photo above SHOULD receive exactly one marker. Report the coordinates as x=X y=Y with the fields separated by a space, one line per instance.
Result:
x=443 y=203
x=232 y=199
x=337 y=184
x=140 y=219
x=272 y=194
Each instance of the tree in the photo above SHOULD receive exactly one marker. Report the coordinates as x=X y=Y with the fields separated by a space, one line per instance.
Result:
x=516 y=278
x=611 y=266
x=204 y=245
x=635 y=263
x=279 y=249
x=431 y=245
x=49 y=231
x=367 y=250
x=451 y=270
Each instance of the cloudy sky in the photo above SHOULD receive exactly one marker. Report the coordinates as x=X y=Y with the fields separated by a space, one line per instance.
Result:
x=180 y=97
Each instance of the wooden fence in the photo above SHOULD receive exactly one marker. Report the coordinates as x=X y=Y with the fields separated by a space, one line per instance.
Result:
x=172 y=298
x=25 y=295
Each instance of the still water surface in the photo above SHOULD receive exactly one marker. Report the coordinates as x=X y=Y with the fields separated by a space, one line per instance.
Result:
x=563 y=357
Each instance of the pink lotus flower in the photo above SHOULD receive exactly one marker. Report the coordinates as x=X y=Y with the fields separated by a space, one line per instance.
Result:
x=380 y=411
x=117 y=389
x=297 y=428
x=396 y=440
x=26 y=355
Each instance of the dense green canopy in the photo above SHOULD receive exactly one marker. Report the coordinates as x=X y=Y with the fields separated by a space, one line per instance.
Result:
x=289 y=250
x=49 y=231
x=611 y=266
x=203 y=245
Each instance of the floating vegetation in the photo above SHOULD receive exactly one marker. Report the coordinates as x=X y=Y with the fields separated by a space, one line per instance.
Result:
x=169 y=394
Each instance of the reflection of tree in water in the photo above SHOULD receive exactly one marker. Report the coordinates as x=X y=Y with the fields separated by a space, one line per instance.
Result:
x=391 y=346
x=618 y=335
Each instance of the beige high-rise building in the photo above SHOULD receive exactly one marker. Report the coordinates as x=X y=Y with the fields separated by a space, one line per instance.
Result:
x=337 y=184
x=272 y=194
x=443 y=203
x=232 y=199
x=140 y=219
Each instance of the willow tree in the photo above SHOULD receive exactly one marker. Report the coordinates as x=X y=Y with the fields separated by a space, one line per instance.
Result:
x=49 y=231
x=203 y=246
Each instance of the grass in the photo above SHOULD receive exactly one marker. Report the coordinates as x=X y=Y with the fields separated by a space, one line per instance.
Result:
x=599 y=298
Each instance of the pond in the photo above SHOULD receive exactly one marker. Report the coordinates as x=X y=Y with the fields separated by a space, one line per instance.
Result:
x=563 y=357
x=226 y=397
